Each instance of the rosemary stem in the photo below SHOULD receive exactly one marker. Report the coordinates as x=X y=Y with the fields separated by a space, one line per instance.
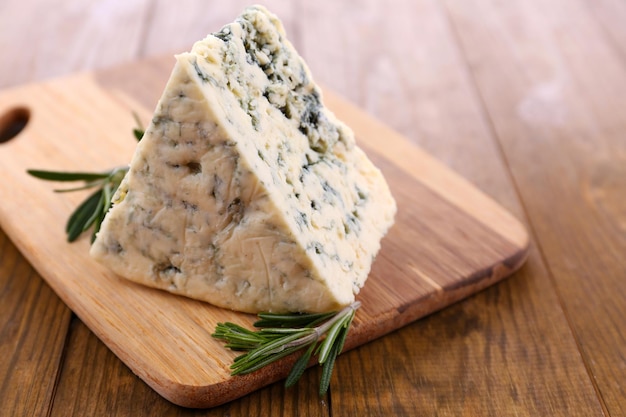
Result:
x=323 y=328
x=276 y=340
x=320 y=330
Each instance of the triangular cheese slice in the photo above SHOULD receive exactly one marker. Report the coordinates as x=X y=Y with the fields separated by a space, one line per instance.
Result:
x=246 y=192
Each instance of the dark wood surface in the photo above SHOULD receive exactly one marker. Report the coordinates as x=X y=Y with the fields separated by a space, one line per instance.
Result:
x=525 y=98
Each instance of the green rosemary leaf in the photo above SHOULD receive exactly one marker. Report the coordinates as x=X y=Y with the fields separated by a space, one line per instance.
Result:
x=331 y=337
x=275 y=346
x=67 y=176
x=139 y=131
x=270 y=331
x=321 y=319
x=329 y=361
x=245 y=342
x=81 y=215
x=103 y=206
x=327 y=370
x=98 y=223
x=227 y=331
x=245 y=367
x=107 y=194
x=290 y=320
x=299 y=367
x=341 y=339
x=86 y=186
x=240 y=346
x=96 y=212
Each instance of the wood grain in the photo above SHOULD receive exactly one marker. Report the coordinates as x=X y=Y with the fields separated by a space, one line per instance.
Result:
x=561 y=114
x=197 y=19
x=611 y=15
x=68 y=37
x=449 y=240
x=33 y=324
x=94 y=366
x=492 y=342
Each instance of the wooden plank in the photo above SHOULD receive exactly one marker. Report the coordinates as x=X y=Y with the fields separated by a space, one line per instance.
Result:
x=611 y=14
x=33 y=323
x=68 y=36
x=175 y=29
x=455 y=362
x=108 y=387
x=164 y=347
x=560 y=121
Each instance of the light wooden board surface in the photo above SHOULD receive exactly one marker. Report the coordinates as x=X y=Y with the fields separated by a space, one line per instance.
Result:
x=450 y=240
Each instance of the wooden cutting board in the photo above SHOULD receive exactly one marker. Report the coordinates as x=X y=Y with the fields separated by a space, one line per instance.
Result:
x=449 y=240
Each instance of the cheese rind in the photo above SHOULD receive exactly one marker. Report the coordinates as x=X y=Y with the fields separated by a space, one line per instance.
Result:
x=246 y=192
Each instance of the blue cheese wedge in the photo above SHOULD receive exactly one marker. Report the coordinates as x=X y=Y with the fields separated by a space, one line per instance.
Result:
x=246 y=192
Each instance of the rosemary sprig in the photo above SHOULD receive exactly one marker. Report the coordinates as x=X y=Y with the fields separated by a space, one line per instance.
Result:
x=92 y=210
x=280 y=335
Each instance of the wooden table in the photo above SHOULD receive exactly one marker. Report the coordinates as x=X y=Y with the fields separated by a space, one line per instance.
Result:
x=525 y=98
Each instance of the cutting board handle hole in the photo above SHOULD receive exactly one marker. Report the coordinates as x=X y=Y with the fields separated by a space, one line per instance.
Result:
x=13 y=122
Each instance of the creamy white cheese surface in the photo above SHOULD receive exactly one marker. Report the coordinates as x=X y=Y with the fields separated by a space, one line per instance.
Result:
x=246 y=192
